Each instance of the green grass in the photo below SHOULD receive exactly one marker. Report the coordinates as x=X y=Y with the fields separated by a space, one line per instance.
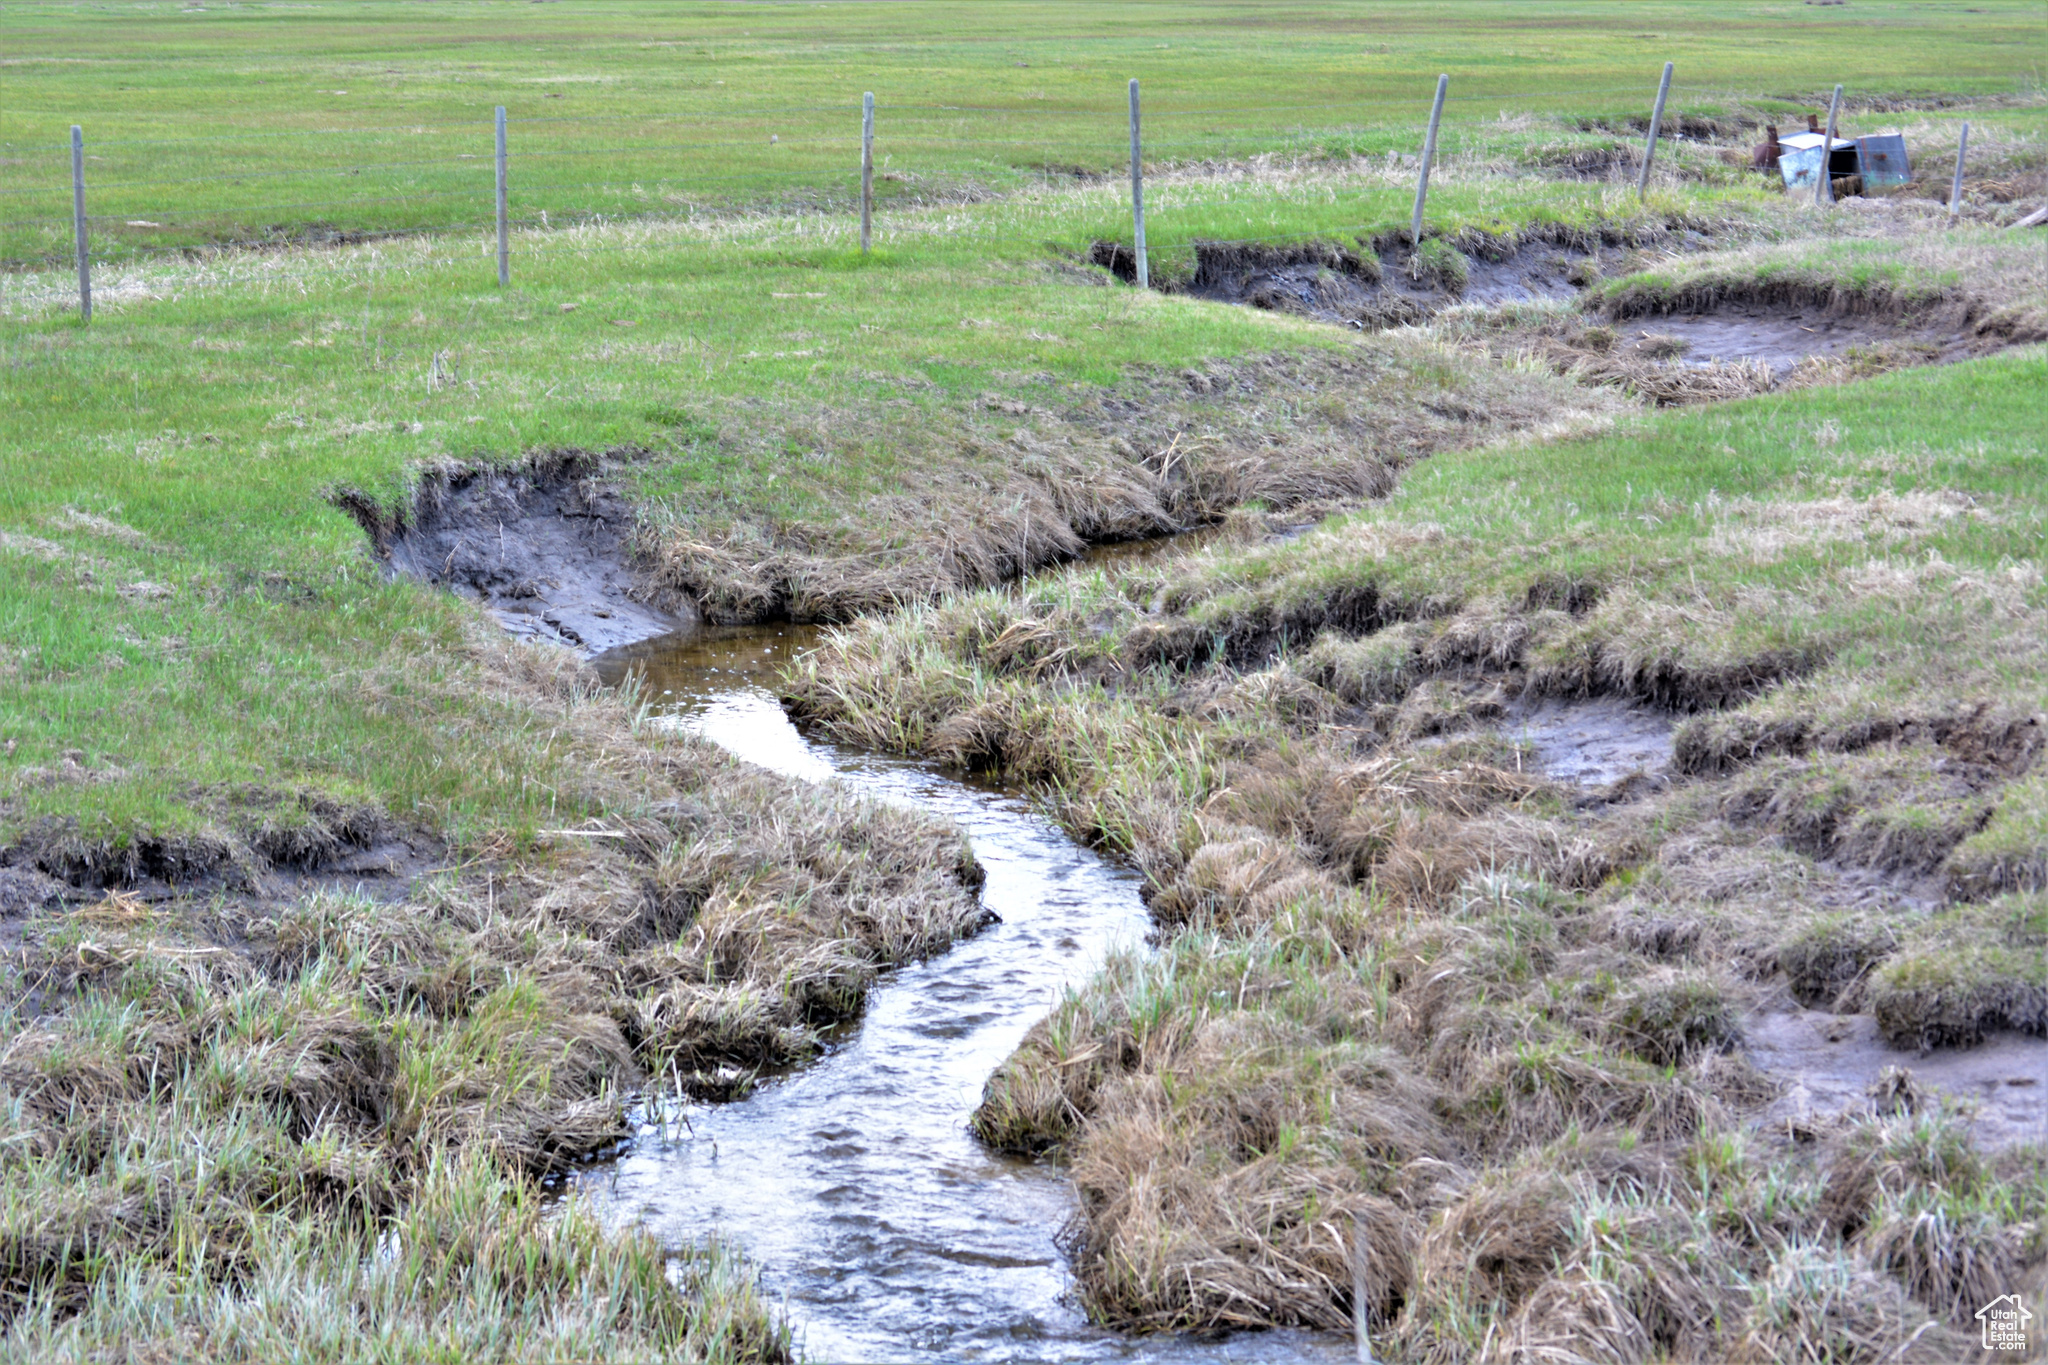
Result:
x=269 y=121
x=1627 y=502
x=188 y=440
x=194 y=641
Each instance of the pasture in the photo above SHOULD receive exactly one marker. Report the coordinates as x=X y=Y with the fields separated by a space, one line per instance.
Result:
x=238 y=1073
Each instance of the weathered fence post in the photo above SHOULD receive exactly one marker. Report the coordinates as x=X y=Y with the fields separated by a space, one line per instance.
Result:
x=504 y=227
x=1824 y=187
x=1650 y=145
x=1362 y=1338
x=1955 y=189
x=1436 y=113
x=867 y=170
x=78 y=223
x=1138 y=194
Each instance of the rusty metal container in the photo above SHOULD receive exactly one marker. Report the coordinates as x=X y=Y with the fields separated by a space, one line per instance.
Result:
x=1881 y=159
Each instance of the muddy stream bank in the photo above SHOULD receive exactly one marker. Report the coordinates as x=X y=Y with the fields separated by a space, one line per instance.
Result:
x=885 y=1228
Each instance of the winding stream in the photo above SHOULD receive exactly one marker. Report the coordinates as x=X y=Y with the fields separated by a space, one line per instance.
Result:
x=888 y=1232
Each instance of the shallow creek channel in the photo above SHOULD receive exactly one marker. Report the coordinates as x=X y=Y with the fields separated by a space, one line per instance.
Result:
x=886 y=1230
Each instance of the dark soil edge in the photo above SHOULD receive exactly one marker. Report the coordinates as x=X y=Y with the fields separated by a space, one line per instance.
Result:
x=546 y=545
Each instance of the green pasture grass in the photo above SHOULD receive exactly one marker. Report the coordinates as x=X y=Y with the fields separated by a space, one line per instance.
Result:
x=184 y=608
x=1761 y=514
x=268 y=121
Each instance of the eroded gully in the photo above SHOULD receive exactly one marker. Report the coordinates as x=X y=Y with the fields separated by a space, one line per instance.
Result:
x=886 y=1230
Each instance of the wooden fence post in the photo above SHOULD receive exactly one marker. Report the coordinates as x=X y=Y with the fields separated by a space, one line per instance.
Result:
x=867 y=170
x=1650 y=146
x=504 y=227
x=1955 y=189
x=78 y=223
x=1436 y=113
x=1824 y=187
x=1361 y=1338
x=1138 y=194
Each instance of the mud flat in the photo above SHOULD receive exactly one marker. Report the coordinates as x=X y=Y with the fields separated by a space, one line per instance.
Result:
x=1593 y=743
x=1837 y=1064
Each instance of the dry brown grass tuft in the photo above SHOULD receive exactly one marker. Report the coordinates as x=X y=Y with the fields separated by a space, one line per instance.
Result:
x=202 y=1076
x=1000 y=492
x=1216 y=1194
x=1815 y=1304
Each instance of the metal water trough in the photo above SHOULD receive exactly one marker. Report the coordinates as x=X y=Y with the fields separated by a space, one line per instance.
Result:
x=1879 y=159
x=1800 y=158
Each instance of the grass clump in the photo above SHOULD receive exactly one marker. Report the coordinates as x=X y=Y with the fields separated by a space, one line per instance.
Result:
x=1441 y=265
x=1966 y=972
x=2008 y=854
x=1831 y=956
x=475 y=1265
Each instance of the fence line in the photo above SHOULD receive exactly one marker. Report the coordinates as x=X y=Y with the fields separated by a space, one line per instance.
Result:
x=808 y=137
x=1059 y=126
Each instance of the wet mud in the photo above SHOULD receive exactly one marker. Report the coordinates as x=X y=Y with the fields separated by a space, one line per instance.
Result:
x=854 y=1184
x=1366 y=289
x=1593 y=743
x=546 y=547
x=265 y=846
x=1673 y=351
x=1780 y=338
x=1127 y=554
x=1831 y=1062
x=1829 y=1065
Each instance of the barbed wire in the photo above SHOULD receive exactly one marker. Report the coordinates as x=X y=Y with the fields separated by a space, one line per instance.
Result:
x=560 y=245
x=679 y=155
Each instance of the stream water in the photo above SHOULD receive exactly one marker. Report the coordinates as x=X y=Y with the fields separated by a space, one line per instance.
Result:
x=888 y=1232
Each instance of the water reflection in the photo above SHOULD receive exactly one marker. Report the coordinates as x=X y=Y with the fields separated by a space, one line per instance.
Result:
x=854 y=1184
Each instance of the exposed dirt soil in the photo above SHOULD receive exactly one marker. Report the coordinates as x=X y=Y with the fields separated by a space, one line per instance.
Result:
x=1672 y=347
x=1833 y=1064
x=264 y=845
x=1782 y=326
x=547 y=547
x=1729 y=343
x=1593 y=743
x=1781 y=340
x=1367 y=288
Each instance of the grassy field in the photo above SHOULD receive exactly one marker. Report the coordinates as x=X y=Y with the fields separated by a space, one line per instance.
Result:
x=264 y=122
x=226 y=1090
